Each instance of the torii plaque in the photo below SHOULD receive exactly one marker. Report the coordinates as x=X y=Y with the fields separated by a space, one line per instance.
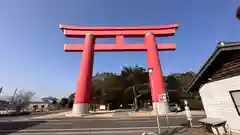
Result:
x=82 y=96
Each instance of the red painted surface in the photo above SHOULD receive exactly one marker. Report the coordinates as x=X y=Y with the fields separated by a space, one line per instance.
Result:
x=156 y=76
x=119 y=40
x=127 y=33
x=84 y=82
x=115 y=28
x=75 y=31
x=150 y=46
x=116 y=48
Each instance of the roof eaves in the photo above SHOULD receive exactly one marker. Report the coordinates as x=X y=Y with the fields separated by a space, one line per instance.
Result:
x=221 y=46
x=204 y=66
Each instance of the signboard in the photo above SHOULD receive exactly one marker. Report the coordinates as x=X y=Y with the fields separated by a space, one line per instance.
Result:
x=164 y=97
x=186 y=102
x=102 y=107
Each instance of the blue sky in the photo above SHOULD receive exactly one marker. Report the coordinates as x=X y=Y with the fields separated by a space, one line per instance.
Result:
x=32 y=56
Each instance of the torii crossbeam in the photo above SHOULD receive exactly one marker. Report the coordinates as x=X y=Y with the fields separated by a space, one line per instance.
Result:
x=82 y=96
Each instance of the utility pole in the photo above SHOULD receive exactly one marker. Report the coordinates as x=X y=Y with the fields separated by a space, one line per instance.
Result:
x=156 y=105
x=14 y=95
x=1 y=90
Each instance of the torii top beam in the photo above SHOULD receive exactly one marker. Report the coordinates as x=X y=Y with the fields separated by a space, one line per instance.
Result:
x=140 y=31
x=119 y=33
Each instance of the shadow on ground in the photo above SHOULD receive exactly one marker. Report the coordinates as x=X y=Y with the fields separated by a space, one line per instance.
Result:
x=11 y=127
x=185 y=131
x=174 y=131
x=124 y=110
x=96 y=113
x=15 y=115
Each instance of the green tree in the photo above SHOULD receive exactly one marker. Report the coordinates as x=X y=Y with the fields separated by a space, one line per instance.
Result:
x=172 y=82
x=179 y=80
x=63 y=102
x=71 y=100
x=136 y=81
x=132 y=86
x=106 y=88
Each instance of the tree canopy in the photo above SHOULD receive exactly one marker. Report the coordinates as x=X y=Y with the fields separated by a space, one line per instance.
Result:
x=131 y=86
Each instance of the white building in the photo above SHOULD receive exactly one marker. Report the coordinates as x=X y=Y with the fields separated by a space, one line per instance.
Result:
x=218 y=83
x=38 y=106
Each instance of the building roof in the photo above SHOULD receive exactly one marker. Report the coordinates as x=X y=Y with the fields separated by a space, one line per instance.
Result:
x=38 y=102
x=222 y=51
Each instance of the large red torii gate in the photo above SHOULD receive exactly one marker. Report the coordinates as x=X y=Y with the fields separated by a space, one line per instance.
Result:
x=82 y=96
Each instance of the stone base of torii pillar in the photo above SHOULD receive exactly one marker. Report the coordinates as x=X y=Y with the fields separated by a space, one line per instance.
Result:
x=79 y=110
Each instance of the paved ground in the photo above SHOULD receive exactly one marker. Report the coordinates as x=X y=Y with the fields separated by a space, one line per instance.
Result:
x=25 y=117
x=128 y=113
x=84 y=126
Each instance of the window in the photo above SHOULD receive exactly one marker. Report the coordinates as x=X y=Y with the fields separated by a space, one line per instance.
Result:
x=236 y=99
x=35 y=107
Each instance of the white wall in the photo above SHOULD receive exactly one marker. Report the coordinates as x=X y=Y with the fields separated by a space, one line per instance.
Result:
x=218 y=103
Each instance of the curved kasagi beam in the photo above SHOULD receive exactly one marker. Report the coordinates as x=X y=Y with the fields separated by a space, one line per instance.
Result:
x=130 y=31
x=114 y=28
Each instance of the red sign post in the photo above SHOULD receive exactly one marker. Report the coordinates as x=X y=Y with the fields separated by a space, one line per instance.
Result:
x=82 y=97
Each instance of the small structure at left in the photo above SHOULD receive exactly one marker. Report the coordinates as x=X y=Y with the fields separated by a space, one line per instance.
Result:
x=7 y=108
x=38 y=106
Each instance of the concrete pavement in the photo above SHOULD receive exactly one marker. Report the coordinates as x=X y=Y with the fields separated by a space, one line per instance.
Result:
x=111 y=126
x=119 y=113
x=150 y=113
x=117 y=122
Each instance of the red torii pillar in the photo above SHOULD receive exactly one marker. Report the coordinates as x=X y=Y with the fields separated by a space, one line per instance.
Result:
x=82 y=97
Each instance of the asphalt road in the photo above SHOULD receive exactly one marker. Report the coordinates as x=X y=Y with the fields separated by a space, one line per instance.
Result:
x=84 y=126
